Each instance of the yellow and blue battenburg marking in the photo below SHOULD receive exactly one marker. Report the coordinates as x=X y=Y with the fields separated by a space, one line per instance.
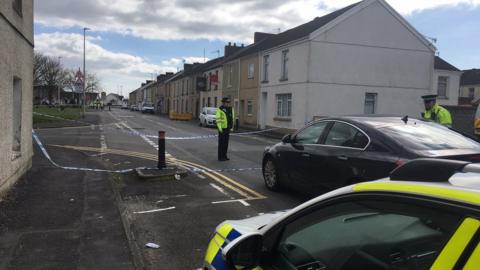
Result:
x=224 y=235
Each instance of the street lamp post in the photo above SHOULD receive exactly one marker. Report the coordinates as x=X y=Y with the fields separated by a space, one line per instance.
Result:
x=84 y=74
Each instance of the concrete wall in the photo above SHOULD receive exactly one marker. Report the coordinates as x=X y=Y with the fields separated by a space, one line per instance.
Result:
x=463 y=118
x=16 y=61
x=453 y=86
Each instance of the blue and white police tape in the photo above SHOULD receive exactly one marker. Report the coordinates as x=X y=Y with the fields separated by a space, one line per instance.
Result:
x=45 y=153
x=211 y=136
x=195 y=170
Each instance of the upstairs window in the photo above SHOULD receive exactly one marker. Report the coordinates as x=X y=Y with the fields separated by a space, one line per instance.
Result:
x=284 y=65
x=266 y=60
x=251 y=70
x=370 y=103
x=442 y=86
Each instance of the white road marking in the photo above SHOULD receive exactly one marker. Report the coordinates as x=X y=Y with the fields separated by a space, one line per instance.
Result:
x=230 y=201
x=92 y=127
x=118 y=126
x=201 y=176
x=154 y=210
x=221 y=190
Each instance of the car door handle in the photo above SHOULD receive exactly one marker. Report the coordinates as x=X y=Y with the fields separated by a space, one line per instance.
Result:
x=305 y=155
x=342 y=157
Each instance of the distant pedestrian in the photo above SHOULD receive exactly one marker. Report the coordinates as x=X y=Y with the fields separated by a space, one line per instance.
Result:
x=436 y=113
x=225 y=120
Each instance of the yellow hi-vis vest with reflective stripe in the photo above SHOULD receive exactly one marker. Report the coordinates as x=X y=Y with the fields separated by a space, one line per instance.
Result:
x=438 y=114
x=221 y=119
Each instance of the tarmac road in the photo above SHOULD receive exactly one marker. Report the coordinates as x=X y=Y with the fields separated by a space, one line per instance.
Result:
x=179 y=215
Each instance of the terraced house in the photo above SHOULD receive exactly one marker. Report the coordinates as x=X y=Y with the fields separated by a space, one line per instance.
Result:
x=16 y=88
x=362 y=59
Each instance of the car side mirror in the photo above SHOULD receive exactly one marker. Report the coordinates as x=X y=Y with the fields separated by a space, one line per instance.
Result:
x=287 y=138
x=244 y=252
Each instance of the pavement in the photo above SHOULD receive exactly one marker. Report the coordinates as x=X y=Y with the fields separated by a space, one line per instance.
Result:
x=76 y=219
x=55 y=220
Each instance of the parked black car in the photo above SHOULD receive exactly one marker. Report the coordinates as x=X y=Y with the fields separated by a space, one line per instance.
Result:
x=335 y=152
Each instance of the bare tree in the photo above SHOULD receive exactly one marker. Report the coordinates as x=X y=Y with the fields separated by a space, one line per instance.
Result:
x=49 y=73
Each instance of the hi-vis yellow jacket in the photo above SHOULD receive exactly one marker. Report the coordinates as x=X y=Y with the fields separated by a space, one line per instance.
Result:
x=221 y=119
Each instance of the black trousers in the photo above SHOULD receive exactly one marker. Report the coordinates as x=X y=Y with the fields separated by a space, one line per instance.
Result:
x=223 y=138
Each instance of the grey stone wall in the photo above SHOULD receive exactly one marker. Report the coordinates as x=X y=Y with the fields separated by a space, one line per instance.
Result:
x=16 y=62
x=463 y=118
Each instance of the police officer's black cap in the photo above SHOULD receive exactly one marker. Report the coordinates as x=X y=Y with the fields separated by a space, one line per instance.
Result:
x=428 y=98
x=226 y=99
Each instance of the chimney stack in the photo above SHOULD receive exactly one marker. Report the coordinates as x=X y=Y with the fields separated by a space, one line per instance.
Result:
x=231 y=49
x=259 y=36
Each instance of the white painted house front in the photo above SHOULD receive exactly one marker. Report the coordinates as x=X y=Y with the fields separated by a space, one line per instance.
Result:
x=366 y=60
x=446 y=82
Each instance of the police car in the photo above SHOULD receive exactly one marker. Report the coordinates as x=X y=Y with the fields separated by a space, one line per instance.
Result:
x=425 y=216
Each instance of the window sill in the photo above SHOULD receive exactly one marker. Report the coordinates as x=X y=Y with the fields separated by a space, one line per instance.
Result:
x=444 y=97
x=283 y=79
x=249 y=115
x=282 y=119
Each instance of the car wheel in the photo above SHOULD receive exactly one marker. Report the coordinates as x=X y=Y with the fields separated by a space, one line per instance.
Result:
x=270 y=174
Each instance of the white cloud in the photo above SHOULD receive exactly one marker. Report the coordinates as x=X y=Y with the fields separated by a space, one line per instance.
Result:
x=115 y=69
x=192 y=19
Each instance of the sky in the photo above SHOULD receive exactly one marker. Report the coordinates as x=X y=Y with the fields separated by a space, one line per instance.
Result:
x=131 y=41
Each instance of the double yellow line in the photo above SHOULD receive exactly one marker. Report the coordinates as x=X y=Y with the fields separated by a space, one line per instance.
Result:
x=246 y=192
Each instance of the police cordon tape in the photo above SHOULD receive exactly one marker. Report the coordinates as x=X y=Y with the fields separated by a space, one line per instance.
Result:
x=194 y=170
x=136 y=133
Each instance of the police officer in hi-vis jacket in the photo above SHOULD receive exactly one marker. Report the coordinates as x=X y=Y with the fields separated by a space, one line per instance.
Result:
x=225 y=120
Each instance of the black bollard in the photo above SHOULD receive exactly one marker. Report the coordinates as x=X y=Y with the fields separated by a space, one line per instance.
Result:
x=161 y=150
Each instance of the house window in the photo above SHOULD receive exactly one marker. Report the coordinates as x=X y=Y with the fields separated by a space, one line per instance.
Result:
x=203 y=102
x=249 y=107
x=17 y=116
x=471 y=92
x=208 y=102
x=442 y=86
x=17 y=6
x=187 y=86
x=370 y=103
x=284 y=105
x=215 y=101
x=266 y=60
x=251 y=70
x=284 y=65
x=217 y=82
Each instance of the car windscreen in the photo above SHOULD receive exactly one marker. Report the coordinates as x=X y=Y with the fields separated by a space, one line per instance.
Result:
x=211 y=111
x=431 y=139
